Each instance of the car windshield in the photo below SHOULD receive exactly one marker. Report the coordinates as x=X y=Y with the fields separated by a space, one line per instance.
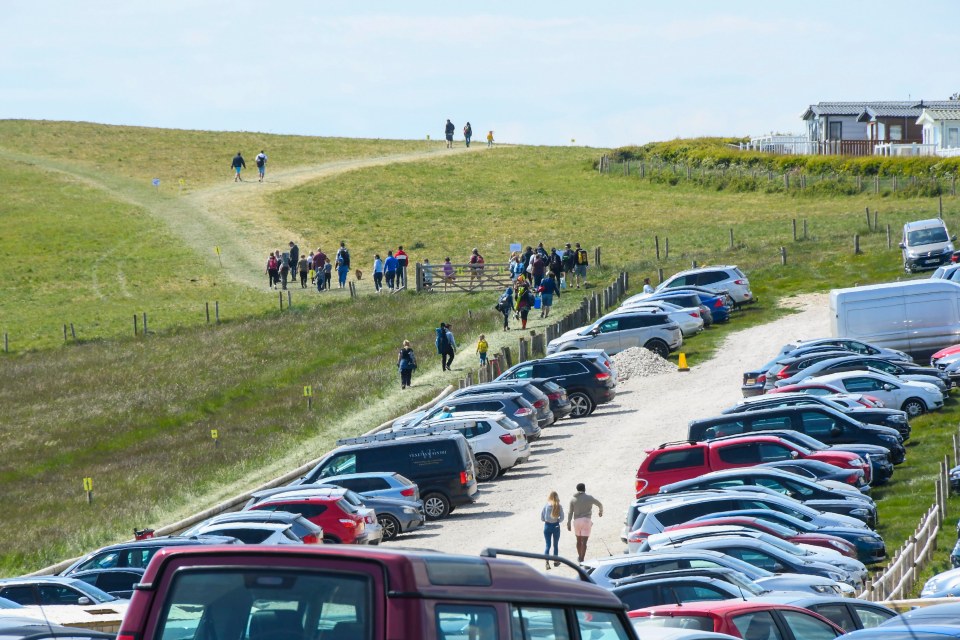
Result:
x=926 y=236
x=783 y=545
x=698 y=623
x=745 y=584
x=96 y=594
x=9 y=604
x=779 y=529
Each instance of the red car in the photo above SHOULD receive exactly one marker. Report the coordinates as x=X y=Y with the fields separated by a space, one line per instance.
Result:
x=774 y=529
x=943 y=353
x=673 y=462
x=341 y=521
x=822 y=389
x=740 y=618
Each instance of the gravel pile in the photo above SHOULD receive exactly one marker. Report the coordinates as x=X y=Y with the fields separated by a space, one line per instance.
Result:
x=637 y=362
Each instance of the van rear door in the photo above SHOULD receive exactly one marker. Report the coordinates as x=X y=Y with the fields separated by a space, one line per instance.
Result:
x=933 y=321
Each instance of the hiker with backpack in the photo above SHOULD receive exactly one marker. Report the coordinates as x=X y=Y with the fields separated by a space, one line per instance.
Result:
x=467 y=133
x=547 y=289
x=581 y=262
x=273 y=270
x=505 y=306
x=568 y=259
x=406 y=364
x=343 y=264
x=446 y=346
x=261 y=161
x=525 y=300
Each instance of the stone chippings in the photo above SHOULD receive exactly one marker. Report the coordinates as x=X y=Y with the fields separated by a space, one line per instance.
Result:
x=637 y=362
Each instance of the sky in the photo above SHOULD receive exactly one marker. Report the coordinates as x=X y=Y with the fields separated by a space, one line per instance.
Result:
x=602 y=74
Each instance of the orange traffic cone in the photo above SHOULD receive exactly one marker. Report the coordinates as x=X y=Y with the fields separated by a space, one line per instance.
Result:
x=682 y=363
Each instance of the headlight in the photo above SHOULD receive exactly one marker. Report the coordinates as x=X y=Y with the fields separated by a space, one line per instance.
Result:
x=911 y=253
x=857 y=463
x=837 y=545
x=866 y=539
x=860 y=513
x=833 y=575
x=825 y=588
x=409 y=510
x=898 y=418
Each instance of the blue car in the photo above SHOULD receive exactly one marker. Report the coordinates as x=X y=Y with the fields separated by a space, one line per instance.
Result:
x=717 y=304
x=918 y=632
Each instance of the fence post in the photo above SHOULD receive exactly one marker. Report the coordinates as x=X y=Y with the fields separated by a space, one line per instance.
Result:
x=290 y=298
x=524 y=352
x=216 y=310
x=659 y=275
x=281 y=300
x=876 y=225
x=6 y=342
x=135 y=321
x=666 y=248
x=794 y=229
x=731 y=238
x=868 y=216
x=419 y=274
x=508 y=357
x=889 y=242
x=64 y=333
x=144 y=323
x=856 y=244
x=597 y=256
x=804 y=228
x=783 y=255
x=208 y=312
x=73 y=333
x=469 y=381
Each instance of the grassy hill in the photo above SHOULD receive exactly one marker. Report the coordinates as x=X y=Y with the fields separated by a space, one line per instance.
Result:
x=85 y=238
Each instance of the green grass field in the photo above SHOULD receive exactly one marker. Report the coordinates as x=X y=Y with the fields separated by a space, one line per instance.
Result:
x=85 y=239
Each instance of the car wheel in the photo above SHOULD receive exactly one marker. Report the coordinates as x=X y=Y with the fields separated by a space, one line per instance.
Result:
x=582 y=404
x=487 y=468
x=436 y=506
x=390 y=525
x=328 y=539
x=659 y=347
x=914 y=407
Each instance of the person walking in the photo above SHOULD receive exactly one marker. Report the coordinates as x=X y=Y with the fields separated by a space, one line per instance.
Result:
x=555 y=264
x=319 y=261
x=552 y=515
x=476 y=266
x=284 y=269
x=273 y=270
x=490 y=138
x=406 y=363
x=377 y=272
x=261 y=162
x=448 y=133
x=328 y=274
x=539 y=269
x=482 y=348
x=449 y=273
x=467 y=133
x=580 y=515
x=647 y=287
x=569 y=261
x=390 y=270
x=580 y=258
x=445 y=346
x=294 y=254
x=524 y=300
x=548 y=288
x=343 y=264
x=505 y=306
x=304 y=267
x=238 y=164
x=402 y=261
x=427 y=274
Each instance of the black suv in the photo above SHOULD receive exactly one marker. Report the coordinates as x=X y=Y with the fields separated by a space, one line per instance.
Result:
x=556 y=395
x=820 y=422
x=531 y=393
x=588 y=383
x=439 y=462
x=892 y=418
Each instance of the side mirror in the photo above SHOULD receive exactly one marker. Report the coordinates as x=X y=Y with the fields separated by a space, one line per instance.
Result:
x=888 y=387
x=595 y=332
x=835 y=430
x=84 y=600
x=777 y=568
x=953 y=238
x=794 y=455
x=902 y=246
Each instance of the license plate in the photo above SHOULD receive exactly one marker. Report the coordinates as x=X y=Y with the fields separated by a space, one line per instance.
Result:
x=751 y=381
x=930 y=261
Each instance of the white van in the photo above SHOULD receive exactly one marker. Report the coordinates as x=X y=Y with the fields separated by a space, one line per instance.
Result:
x=918 y=317
x=926 y=245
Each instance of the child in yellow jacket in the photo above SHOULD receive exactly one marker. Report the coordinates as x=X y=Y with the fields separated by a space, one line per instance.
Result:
x=482 y=348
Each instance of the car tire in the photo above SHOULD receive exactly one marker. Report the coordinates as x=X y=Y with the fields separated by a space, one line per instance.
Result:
x=659 y=347
x=436 y=506
x=913 y=407
x=487 y=467
x=390 y=526
x=329 y=539
x=582 y=404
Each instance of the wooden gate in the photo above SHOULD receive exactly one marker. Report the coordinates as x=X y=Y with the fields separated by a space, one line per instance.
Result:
x=463 y=278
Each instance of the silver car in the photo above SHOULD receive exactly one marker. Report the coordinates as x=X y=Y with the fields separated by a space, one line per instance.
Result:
x=719 y=279
x=622 y=330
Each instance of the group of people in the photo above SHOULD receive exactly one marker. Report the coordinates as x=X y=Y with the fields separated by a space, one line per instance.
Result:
x=393 y=269
x=239 y=164
x=449 y=128
x=579 y=521
x=317 y=267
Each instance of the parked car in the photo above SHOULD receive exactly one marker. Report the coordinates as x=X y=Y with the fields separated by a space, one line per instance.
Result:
x=816 y=470
x=848 y=344
x=682 y=300
x=788 y=367
x=135 y=554
x=21 y=628
x=817 y=388
x=346 y=593
x=926 y=244
x=749 y=620
x=947 y=613
x=306 y=531
x=439 y=462
x=511 y=404
x=587 y=382
x=915 y=398
x=850 y=614
x=727 y=279
x=378 y=484
x=498 y=443
x=771 y=528
x=606 y=571
x=942 y=585
x=689 y=586
x=600 y=356
x=531 y=393
x=717 y=304
x=673 y=462
x=900 y=370
x=54 y=590
x=948 y=271
x=253 y=532
x=325 y=506
x=827 y=425
x=665 y=633
x=869 y=544
x=116 y=581
x=689 y=319
x=623 y=329
x=892 y=418
x=913 y=632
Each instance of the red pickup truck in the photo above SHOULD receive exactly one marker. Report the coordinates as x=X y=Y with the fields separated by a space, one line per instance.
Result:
x=673 y=462
x=335 y=592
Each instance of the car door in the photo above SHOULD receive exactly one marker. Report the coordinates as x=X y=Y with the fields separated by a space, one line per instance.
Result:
x=608 y=336
x=522 y=372
x=21 y=594
x=804 y=626
x=871 y=386
x=822 y=426
x=691 y=592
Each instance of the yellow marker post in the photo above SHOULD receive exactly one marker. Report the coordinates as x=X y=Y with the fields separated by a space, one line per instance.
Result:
x=217 y=250
x=216 y=437
x=308 y=394
x=682 y=363
x=88 y=487
x=181 y=182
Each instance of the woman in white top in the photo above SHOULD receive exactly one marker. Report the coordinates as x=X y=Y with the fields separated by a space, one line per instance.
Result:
x=552 y=516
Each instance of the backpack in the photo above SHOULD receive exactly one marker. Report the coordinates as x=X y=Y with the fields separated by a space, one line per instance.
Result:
x=343 y=256
x=581 y=256
x=259 y=161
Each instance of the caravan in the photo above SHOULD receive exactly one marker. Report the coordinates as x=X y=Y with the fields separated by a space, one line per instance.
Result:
x=918 y=317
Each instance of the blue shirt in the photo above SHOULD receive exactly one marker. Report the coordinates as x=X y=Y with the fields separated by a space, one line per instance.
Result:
x=390 y=264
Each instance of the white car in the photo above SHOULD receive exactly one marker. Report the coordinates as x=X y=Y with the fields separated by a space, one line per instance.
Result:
x=689 y=319
x=497 y=441
x=253 y=532
x=914 y=398
x=622 y=329
x=718 y=279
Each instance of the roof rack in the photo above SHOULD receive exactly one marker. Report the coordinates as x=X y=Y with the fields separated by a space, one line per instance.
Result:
x=493 y=553
x=670 y=444
x=386 y=436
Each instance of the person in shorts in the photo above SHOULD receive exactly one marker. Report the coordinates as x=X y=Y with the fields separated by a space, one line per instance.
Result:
x=579 y=518
x=261 y=163
x=238 y=165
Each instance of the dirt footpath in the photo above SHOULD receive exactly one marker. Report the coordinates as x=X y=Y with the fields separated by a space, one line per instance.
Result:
x=604 y=450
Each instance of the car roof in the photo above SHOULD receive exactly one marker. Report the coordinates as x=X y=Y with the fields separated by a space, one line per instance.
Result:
x=715 y=267
x=924 y=224
x=718 y=608
x=480 y=397
x=651 y=555
x=273 y=526
x=369 y=474
x=804 y=601
x=319 y=492
x=41 y=579
x=466 y=416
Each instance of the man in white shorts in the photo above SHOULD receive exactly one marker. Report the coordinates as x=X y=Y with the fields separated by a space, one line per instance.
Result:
x=581 y=510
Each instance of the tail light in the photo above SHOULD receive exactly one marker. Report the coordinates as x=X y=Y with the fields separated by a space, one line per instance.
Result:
x=508 y=438
x=852 y=478
x=782 y=374
x=369 y=519
x=409 y=492
x=126 y=636
x=464 y=479
x=718 y=303
x=762 y=378
x=607 y=364
x=540 y=404
x=641 y=486
x=555 y=396
x=523 y=412
x=695 y=314
x=637 y=536
x=311 y=538
x=348 y=523
x=740 y=282
x=601 y=377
